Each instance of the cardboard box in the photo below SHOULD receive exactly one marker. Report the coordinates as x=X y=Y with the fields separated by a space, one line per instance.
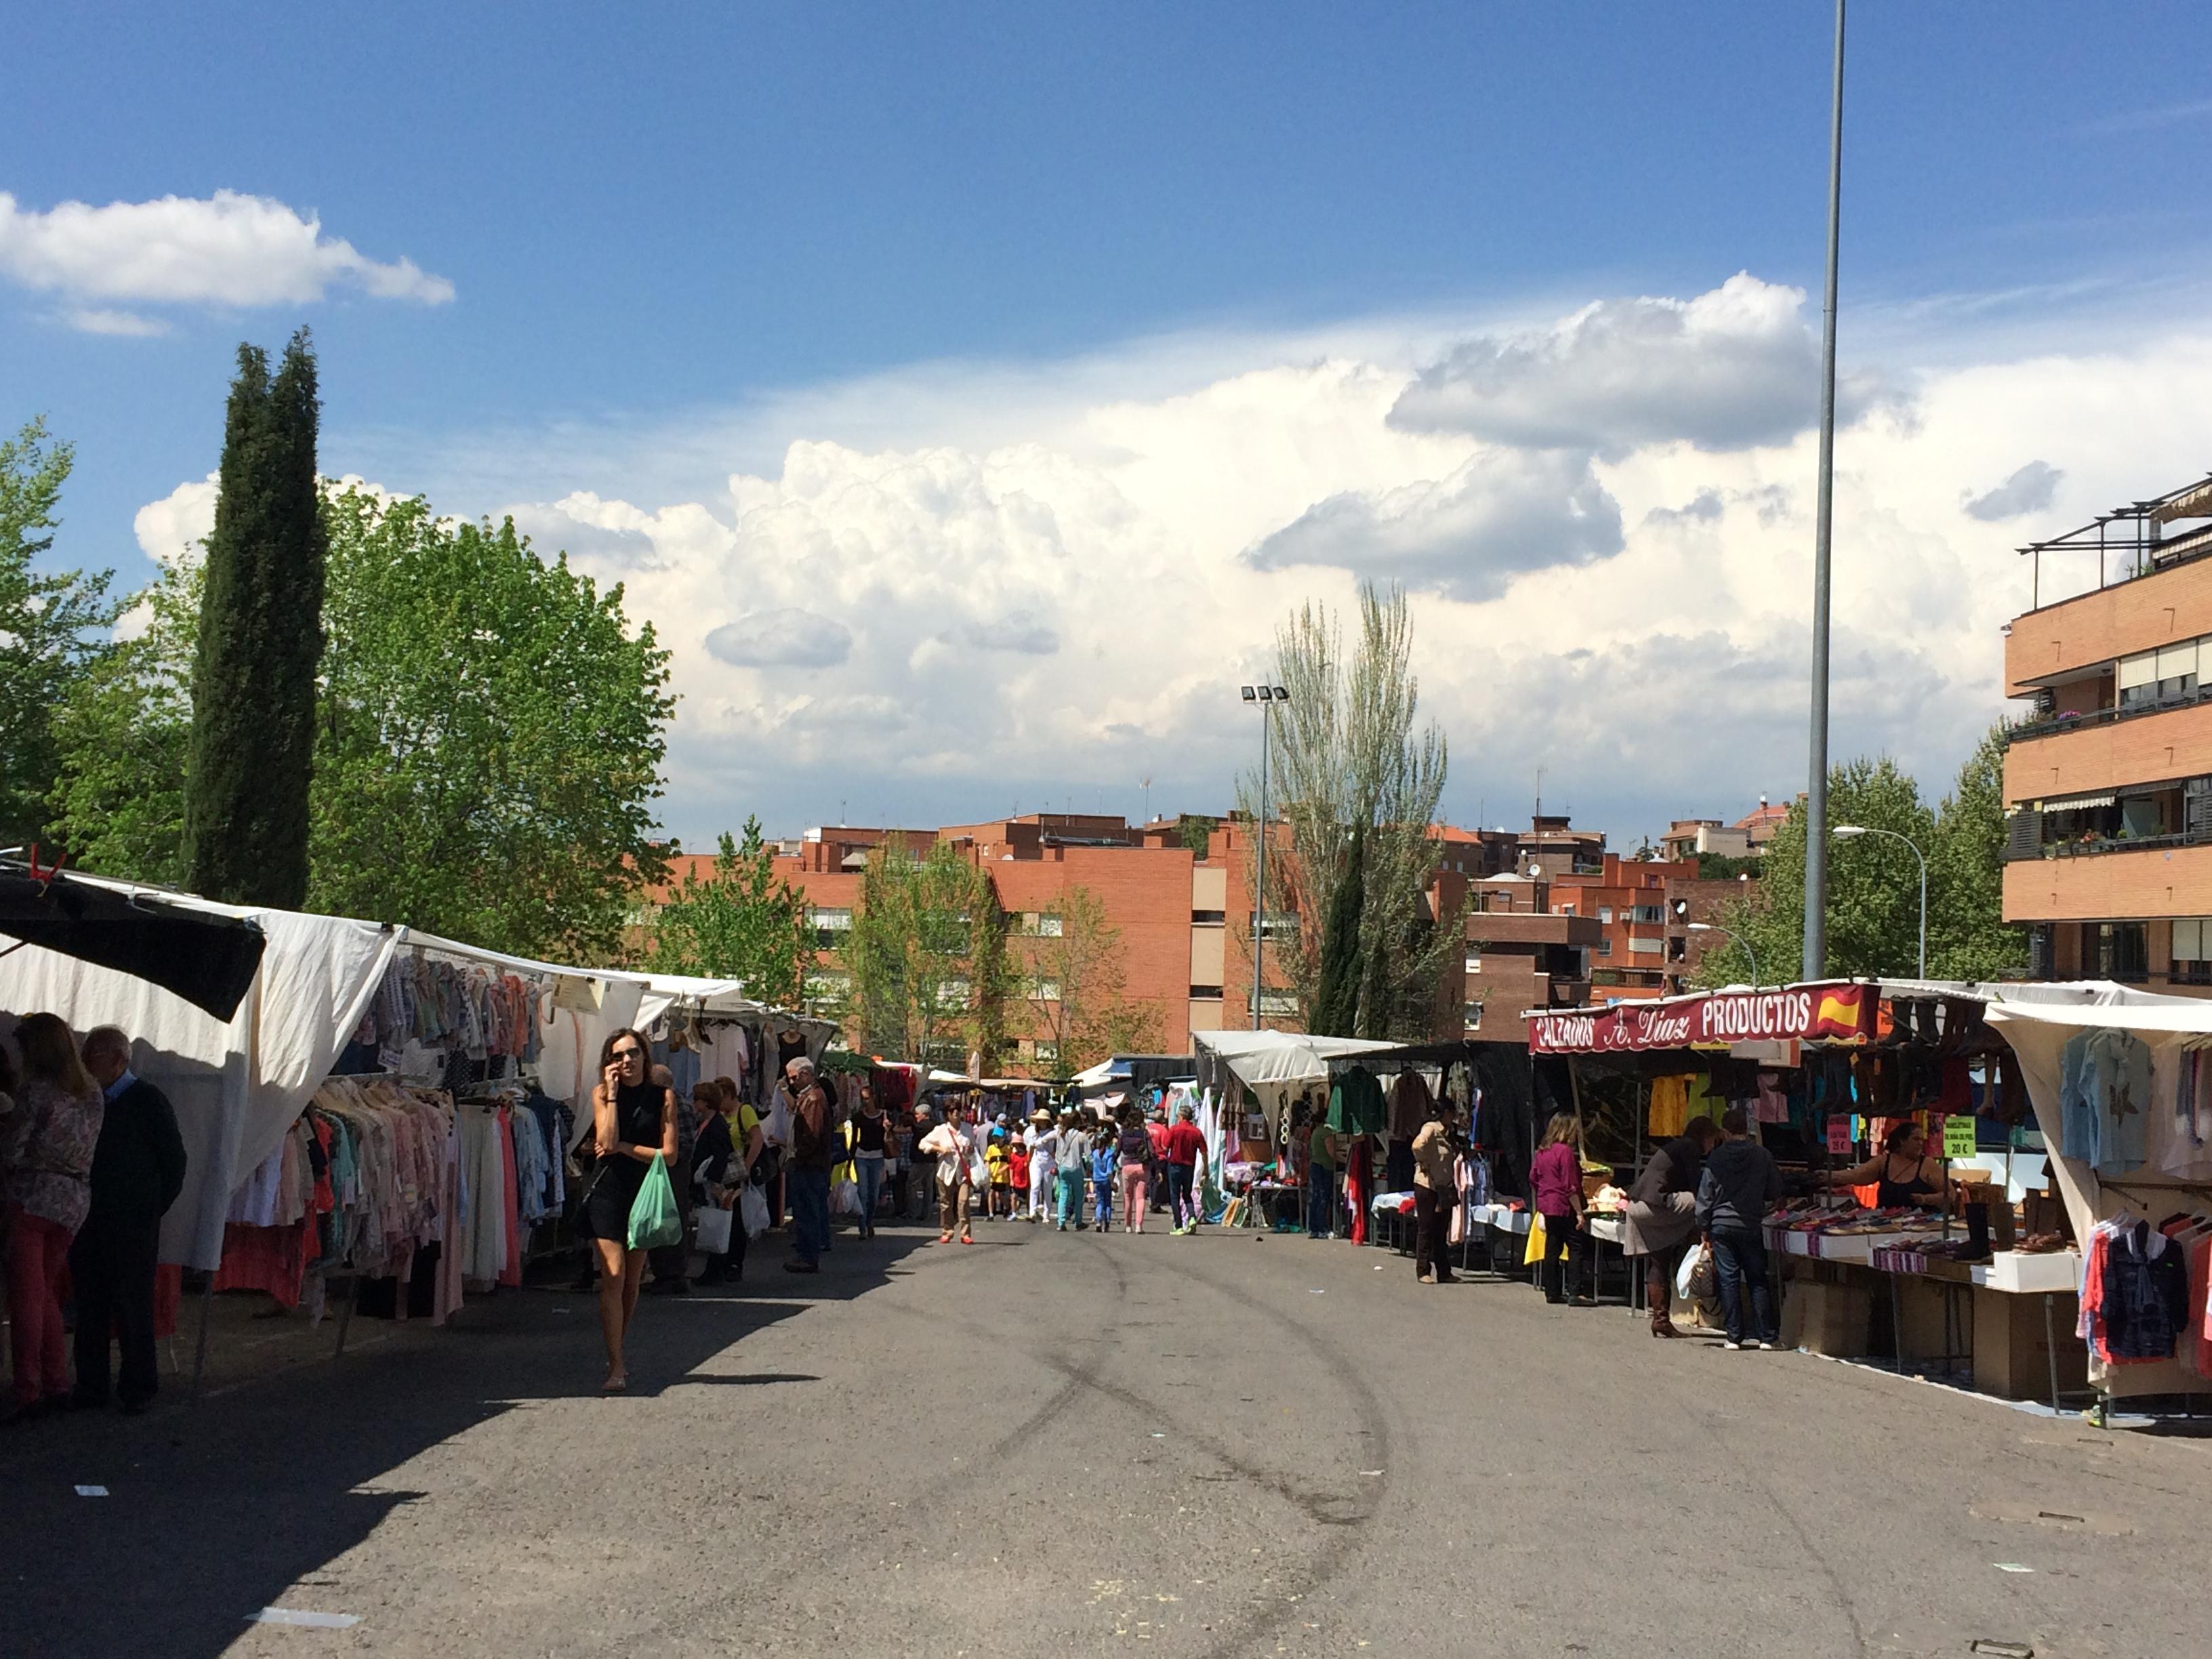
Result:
x=1825 y=1318
x=2011 y=1356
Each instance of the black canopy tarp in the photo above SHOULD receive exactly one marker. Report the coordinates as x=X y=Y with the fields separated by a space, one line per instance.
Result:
x=207 y=958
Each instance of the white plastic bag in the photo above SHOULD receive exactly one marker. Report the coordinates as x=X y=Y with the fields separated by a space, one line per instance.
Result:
x=714 y=1230
x=753 y=1211
x=845 y=1198
x=1690 y=1260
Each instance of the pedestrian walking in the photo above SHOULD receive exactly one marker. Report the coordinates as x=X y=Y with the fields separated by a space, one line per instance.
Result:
x=1555 y=1181
x=999 y=1162
x=871 y=1145
x=1017 y=1171
x=1044 y=1167
x=46 y=1146
x=1134 y=1146
x=950 y=1147
x=1436 y=1153
x=806 y=1173
x=724 y=1161
x=1739 y=1181
x=1105 y=1159
x=137 y=1170
x=1186 y=1152
x=633 y=1120
x=1071 y=1161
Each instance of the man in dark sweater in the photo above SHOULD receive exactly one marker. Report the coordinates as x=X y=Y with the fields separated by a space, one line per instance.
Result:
x=137 y=1170
x=1739 y=1181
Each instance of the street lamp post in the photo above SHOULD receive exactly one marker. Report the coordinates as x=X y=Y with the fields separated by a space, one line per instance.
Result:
x=1266 y=696
x=1816 y=783
x=1741 y=943
x=1852 y=831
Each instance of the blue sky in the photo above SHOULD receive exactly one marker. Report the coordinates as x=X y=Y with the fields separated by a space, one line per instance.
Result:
x=667 y=231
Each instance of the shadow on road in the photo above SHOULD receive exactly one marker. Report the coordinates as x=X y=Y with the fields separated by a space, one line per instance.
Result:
x=215 y=1510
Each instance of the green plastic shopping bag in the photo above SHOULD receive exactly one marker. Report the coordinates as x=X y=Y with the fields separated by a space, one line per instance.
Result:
x=654 y=1220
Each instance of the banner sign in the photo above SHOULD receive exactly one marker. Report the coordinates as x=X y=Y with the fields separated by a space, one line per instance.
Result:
x=1835 y=1013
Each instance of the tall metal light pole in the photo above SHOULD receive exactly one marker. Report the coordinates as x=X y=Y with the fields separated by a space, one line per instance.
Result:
x=1852 y=831
x=1266 y=696
x=1816 y=785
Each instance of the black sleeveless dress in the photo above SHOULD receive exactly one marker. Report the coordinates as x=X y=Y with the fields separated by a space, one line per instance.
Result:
x=614 y=1190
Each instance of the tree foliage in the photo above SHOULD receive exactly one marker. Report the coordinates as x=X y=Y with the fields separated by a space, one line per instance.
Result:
x=1873 y=882
x=743 y=922
x=1196 y=831
x=1345 y=754
x=1075 y=982
x=931 y=974
x=491 y=737
x=50 y=626
x=489 y=742
x=248 y=781
x=123 y=736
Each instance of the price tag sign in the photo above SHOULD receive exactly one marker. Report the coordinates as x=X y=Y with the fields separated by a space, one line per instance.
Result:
x=1839 y=1134
x=1959 y=1135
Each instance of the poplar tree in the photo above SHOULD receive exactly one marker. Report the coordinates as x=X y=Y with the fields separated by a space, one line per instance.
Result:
x=246 y=820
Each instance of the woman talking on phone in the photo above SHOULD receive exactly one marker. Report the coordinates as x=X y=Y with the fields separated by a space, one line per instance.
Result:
x=633 y=1120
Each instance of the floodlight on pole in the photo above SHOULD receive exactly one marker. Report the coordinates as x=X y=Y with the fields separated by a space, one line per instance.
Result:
x=1816 y=783
x=1266 y=696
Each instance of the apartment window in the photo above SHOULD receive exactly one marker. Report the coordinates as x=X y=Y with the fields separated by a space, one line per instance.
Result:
x=1046 y=1052
x=1279 y=925
x=1564 y=910
x=1649 y=916
x=1474 y=961
x=1277 y=1004
x=1604 y=914
x=1471 y=1017
x=2122 y=951
x=2192 y=951
x=1208 y=918
x=1206 y=993
x=1044 y=990
x=1605 y=947
x=830 y=926
x=1038 y=924
x=828 y=987
x=1646 y=947
x=952 y=992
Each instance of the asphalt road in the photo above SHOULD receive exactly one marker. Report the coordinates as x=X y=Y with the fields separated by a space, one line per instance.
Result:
x=1223 y=1445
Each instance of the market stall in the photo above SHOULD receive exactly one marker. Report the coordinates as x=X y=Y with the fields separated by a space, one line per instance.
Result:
x=1251 y=1086
x=1823 y=1070
x=2122 y=1093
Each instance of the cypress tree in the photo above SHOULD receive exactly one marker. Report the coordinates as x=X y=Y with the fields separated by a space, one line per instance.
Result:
x=261 y=641
x=1336 y=1002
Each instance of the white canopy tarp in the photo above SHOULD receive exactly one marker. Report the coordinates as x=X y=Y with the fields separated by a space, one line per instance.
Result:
x=2037 y=1022
x=1274 y=1059
x=237 y=1085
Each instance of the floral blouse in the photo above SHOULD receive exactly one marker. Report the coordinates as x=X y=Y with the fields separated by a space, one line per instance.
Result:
x=45 y=1150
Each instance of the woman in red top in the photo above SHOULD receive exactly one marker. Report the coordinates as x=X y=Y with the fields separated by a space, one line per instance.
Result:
x=1555 y=1182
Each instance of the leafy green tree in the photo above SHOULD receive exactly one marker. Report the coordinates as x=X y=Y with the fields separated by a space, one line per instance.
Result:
x=931 y=971
x=1336 y=996
x=260 y=640
x=1967 y=937
x=492 y=733
x=1196 y=832
x=50 y=624
x=1873 y=886
x=123 y=733
x=742 y=922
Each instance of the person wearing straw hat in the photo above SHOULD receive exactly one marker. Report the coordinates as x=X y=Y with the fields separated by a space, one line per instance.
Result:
x=1044 y=1164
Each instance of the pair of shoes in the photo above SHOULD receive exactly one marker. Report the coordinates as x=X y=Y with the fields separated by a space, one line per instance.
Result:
x=802 y=1267
x=1428 y=1278
x=1733 y=1346
x=1769 y=1347
x=1446 y=1278
x=1663 y=1326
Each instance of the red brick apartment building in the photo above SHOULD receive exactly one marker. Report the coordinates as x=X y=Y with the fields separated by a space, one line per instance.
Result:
x=1171 y=906
x=2108 y=777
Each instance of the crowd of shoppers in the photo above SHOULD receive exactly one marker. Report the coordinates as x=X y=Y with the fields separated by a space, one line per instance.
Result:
x=90 y=1161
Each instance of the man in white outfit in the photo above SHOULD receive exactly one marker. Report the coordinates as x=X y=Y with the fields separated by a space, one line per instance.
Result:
x=1042 y=1143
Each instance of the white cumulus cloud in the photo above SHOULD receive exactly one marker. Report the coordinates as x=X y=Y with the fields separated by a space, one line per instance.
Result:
x=229 y=249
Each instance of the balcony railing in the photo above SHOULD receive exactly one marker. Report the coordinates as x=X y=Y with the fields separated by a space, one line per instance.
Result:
x=2058 y=723
x=2089 y=849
